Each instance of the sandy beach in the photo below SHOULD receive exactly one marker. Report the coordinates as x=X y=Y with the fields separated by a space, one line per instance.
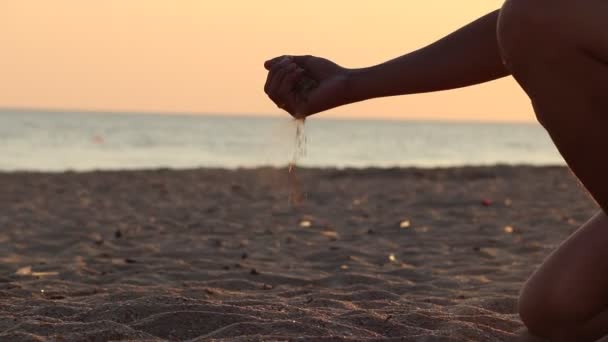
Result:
x=200 y=255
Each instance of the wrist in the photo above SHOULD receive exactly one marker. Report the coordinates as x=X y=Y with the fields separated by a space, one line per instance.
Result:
x=355 y=85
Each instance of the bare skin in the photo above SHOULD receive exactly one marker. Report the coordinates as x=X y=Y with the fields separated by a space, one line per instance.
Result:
x=466 y=57
x=558 y=52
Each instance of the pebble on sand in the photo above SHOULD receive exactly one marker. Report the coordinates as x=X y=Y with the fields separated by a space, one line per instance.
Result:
x=305 y=224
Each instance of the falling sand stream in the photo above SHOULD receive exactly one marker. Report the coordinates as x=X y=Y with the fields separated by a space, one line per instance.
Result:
x=296 y=196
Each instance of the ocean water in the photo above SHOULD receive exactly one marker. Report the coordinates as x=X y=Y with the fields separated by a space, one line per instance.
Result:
x=54 y=141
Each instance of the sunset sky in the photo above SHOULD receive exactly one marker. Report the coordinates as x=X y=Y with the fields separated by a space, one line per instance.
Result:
x=206 y=56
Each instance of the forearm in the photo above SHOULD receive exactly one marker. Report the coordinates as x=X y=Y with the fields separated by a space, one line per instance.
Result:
x=466 y=57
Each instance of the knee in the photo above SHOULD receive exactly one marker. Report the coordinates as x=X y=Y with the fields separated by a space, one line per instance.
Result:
x=535 y=313
x=534 y=43
x=545 y=315
x=527 y=32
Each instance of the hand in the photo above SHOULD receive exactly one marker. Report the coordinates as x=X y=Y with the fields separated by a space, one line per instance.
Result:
x=305 y=85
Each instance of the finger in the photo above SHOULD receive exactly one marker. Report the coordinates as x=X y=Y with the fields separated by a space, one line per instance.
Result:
x=286 y=90
x=267 y=84
x=288 y=84
x=272 y=74
x=269 y=63
x=281 y=64
x=277 y=80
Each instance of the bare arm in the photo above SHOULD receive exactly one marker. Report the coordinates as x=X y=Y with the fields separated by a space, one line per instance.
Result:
x=466 y=57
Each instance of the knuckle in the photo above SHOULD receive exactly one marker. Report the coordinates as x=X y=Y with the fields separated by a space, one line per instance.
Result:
x=279 y=65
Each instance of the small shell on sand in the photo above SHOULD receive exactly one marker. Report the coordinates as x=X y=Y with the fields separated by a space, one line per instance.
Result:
x=392 y=257
x=305 y=224
x=330 y=234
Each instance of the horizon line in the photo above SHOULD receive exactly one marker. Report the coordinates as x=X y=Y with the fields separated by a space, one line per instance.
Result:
x=362 y=117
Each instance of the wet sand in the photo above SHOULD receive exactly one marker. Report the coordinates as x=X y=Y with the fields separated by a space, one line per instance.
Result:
x=370 y=255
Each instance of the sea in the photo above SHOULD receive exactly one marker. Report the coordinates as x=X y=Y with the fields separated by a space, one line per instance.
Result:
x=83 y=141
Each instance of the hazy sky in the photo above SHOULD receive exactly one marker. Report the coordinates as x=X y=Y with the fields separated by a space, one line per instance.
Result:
x=206 y=56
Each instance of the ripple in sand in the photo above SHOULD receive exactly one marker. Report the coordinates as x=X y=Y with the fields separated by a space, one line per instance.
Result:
x=188 y=324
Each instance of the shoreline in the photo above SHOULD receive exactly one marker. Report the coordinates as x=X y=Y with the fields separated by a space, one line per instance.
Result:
x=286 y=166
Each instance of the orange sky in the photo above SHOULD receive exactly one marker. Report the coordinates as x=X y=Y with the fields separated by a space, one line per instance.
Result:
x=206 y=56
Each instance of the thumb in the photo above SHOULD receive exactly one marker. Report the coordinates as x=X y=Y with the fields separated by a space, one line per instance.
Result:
x=269 y=63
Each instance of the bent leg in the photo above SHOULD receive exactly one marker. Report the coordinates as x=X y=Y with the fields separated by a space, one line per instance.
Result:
x=567 y=297
x=558 y=52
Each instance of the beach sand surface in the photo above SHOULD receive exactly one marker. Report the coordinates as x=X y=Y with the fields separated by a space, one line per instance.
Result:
x=210 y=254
